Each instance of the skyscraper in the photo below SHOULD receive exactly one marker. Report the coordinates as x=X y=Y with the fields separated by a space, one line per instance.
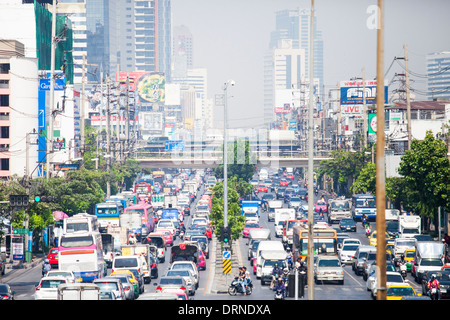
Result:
x=182 y=53
x=438 y=75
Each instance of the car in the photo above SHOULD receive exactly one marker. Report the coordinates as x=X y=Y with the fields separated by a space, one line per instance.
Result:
x=321 y=206
x=444 y=279
x=392 y=278
x=409 y=257
x=133 y=286
x=66 y=274
x=373 y=238
x=358 y=258
x=347 y=252
x=5 y=292
x=112 y=284
x=328 y=268
x=52 y=257
x=288 y=194
x=284 y=183
x=290 y=176
x=167 y=235
x=262 y=188
x=140 y=279
x=187 y=265
x=295 y=202
x=107 y=295
x=47 y=288
x=371 y=280
x=303 y=193
x=280 y=192
x=248 y=226
x=398 y=291
x=187 y=275
x=159 y=296
x=171 y=283
x=347 y=225
x=254 y=182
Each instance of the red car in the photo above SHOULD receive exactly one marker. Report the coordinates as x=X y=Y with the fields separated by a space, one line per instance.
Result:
x=321 y=206
x=290 y=176
x=248 y=226
x=262 y=188
x=53 y=257
x=284 y=183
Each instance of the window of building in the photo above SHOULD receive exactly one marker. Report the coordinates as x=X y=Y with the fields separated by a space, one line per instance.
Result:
x=4 y=68
x=4 y=132
x=4 y=164
x=4 y=100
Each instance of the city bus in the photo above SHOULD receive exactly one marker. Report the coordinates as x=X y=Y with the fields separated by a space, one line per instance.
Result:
x=82 y=253
x=143 y=188
x=325 y=240
x=139 y=218
x=107 y=214
x=81 y=222
x=364 y=204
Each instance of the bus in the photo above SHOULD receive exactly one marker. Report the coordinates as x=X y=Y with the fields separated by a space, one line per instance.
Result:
x=143 y=188
x=107 y=213
x=139 y=218
x=325 y=240
x=82 y=253
x=364 y=204
x=81 y=222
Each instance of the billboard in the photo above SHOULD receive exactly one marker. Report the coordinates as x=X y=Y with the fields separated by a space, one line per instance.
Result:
x=149 y=85
x=352 y=92
x=151 y=121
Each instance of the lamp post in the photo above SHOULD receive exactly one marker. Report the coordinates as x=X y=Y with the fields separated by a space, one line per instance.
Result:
x=225 y=153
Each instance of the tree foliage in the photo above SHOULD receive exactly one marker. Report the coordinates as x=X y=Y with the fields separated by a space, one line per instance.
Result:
x=366 y=180
x=241 y=161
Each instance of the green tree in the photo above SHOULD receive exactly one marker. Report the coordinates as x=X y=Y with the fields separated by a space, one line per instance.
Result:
x=426 y=169
x=241 y=161
x=366 y=180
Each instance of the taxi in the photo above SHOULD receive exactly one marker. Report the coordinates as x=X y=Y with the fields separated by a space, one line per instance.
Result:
x=398 y=291
x=373 y=238
x=53 y=257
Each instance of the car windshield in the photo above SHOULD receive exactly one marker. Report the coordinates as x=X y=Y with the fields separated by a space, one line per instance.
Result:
x=80 y=241
x=295 y=200
x=125 y=263
x=107 y=285
x=349 y=248
x=400 y=292
x=340 y=206
x=3 y=289
x=432 y=263
x=183 y=273
x=394 y=278
x=405 y=243
x=177 y=281
x=329 y=263
x=271 y=263
x=123 y=278
x=442 y=275
x=53 y=283
x=251 y=225
x=178 y=266
x=347 y=221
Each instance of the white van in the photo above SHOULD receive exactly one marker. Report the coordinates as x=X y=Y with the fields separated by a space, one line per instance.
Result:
x=282 y=215
x=128 y=262
x=266 y=245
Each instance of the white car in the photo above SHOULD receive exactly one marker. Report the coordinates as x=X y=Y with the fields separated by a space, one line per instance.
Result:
x=177 y=265
x=47 y=289
x=392 y=277
x=328 y=268
x=347 y=252
x=66 y=274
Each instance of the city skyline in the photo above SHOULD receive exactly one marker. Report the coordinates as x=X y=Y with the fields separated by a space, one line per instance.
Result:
x=231 y=39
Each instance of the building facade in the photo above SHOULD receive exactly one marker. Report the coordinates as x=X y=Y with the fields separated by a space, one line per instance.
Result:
x=438 y=75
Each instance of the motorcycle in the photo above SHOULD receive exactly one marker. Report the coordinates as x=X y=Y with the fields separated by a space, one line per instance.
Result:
x=368 y=231
x=278 y=295
x=236 y=287
x=402 y=267
x=434 y=293
x=181 y=235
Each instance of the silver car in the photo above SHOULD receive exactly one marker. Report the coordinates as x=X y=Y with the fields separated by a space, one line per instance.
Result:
x=188 y=277
x=328 y=268
x=347 y=252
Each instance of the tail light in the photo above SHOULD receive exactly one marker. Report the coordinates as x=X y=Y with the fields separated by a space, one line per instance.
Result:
x=154 y=265
x=126 y=288
x=183 y=288
x=158 y=288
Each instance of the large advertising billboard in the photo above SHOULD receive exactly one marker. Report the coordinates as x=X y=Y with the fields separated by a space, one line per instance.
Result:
x=149 y=85
x=352 y=92
x=151 y=121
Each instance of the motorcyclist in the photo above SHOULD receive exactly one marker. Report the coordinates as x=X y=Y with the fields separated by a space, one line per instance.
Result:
x=280 y=287
x=241 y=280
x=46 y=267
x=289 y=257
x=434 y=284
x=276 y=273
x=367 y=229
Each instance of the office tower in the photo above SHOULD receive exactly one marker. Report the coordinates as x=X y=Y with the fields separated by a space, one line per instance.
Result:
x=182 y=55
x=438 y=75
x=102 y=32
x=76 y=12
x=295 y=25
x=145 y=36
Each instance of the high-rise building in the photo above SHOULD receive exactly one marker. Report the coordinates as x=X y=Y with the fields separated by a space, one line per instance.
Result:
x=76 y=12
x=438 y=75
x=102 y=34
x=145 y=36
x=296 y=25
x=182 y=53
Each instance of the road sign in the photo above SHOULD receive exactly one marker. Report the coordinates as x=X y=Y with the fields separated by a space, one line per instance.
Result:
x=20 y=231
x=226 y=265
x=226 y=255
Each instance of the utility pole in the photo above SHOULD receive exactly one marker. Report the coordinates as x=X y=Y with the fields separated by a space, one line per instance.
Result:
x=108 y=142
x=365 y=116
x=310 y=267
x=49 y=143
x=83 y=108
x=408 y=98
x=380 y=169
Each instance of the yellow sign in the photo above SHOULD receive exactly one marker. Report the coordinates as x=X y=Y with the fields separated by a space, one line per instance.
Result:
x=226 y=265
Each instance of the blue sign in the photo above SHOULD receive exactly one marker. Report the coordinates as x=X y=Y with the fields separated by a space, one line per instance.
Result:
x=354 y=94
x=226 y=255
x=174 y=145
x=293 y=125
x=60 y=82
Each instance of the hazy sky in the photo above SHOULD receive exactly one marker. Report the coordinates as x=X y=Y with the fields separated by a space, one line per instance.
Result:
x=231 y=37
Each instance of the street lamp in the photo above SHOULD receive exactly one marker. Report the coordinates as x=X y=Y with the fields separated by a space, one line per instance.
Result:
x=225 y=153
